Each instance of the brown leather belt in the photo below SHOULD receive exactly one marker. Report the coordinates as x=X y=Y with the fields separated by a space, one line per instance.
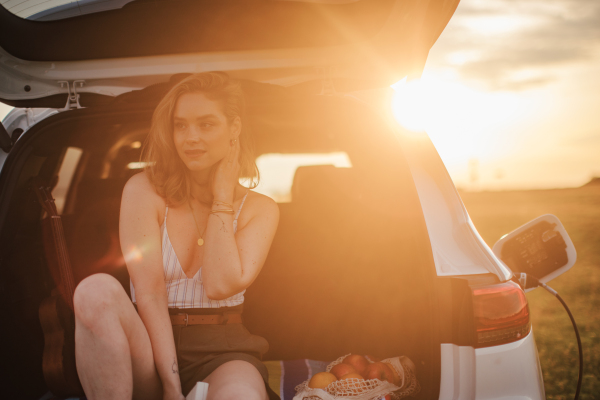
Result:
x=196 y=319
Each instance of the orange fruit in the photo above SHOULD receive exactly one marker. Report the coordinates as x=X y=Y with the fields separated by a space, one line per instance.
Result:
x=352 y=375
x=321 y=380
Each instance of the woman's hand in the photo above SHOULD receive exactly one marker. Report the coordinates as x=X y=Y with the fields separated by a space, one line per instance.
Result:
x=226 y=176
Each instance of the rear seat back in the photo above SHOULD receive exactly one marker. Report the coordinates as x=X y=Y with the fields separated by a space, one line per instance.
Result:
x=332 y=281
x=322 y=183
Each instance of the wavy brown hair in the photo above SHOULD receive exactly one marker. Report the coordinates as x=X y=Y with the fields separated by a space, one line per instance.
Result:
x=163 y=166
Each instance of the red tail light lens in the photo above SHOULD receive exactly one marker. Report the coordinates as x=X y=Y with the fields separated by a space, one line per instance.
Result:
x=501 y=314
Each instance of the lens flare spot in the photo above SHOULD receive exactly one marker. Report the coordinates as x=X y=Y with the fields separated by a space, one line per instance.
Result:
x=134 y=254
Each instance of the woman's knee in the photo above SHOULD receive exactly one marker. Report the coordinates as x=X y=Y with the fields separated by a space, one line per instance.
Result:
x=237 y=380
x=96 y=294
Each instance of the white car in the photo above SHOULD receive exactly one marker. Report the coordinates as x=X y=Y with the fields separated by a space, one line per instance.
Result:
x=375 y=252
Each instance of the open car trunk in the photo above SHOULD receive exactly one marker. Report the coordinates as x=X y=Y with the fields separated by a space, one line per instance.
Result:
x=350 y=268
x=115 y=47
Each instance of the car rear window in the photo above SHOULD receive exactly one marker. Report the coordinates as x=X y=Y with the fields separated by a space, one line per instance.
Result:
x=277 y=171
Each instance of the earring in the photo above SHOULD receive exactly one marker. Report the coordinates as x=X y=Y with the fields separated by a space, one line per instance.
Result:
x=232 y=142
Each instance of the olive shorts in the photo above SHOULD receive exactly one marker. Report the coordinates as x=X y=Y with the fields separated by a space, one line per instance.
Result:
x=203 y=348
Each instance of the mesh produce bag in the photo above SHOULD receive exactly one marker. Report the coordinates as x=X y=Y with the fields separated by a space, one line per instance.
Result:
x=365 y=389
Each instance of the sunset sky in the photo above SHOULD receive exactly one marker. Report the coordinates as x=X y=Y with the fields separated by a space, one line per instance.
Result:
x=514 y=87
x=510 y=95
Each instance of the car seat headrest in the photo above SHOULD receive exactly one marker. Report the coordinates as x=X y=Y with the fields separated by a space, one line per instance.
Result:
x=323 y=183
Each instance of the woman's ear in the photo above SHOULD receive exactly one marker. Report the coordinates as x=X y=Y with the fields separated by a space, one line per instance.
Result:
x=236 y=128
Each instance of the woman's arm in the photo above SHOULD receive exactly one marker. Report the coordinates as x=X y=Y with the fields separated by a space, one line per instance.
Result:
x=139 y=232
x=231 y=263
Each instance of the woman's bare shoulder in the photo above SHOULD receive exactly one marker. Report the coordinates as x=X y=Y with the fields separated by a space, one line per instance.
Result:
x=139 y=190
x=262 y=204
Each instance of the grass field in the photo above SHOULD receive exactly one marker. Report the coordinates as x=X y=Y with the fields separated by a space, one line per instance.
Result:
x=497 y=213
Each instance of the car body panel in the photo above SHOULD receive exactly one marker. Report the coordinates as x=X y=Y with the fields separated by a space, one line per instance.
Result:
x=508 y=371
x=458 y=372
x=457 y=247
x=50 y=10
x=23 y=118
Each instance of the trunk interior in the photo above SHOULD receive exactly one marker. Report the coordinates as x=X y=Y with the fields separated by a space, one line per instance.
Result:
x=350 y=268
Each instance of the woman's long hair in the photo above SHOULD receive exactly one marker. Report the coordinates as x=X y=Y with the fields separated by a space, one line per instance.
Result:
x=163 y=166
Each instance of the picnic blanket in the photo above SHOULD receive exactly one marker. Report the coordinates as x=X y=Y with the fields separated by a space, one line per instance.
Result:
x=284 y=376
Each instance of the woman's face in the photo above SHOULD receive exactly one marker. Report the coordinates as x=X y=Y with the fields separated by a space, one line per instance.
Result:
x=201 y=131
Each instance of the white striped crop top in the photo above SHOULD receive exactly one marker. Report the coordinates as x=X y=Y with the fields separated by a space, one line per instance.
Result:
x=184 y=292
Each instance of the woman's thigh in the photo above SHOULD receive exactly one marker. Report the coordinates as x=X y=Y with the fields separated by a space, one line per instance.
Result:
x=103 y=307
x=236 y=379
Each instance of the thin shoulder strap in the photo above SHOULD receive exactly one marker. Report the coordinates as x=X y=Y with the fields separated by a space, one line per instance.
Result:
x=241 y=205
x=166 y=212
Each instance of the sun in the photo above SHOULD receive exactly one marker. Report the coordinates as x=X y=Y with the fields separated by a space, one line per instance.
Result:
x=409 y=104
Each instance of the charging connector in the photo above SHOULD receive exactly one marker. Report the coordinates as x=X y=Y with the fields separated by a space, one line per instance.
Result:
x=529 y=281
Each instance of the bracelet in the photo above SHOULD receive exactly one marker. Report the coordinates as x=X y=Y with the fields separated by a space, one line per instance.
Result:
x=226 y=211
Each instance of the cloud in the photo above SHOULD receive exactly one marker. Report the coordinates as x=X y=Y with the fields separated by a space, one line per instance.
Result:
x=519 y=44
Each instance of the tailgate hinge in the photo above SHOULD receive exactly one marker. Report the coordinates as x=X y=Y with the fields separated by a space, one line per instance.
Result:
x=73 y=96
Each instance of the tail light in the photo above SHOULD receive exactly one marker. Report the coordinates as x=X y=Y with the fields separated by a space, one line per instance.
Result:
x=501 y=314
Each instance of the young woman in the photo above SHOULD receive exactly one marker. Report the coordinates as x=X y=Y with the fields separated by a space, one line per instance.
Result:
x=193 y=239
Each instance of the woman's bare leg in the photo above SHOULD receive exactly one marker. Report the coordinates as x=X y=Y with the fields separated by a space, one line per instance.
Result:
x=112 y=347
x=236 y=380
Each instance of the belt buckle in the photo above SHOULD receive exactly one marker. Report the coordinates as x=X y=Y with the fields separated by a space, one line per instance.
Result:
x=185 y=318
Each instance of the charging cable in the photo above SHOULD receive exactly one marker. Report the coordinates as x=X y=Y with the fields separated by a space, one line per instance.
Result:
x=529 y=281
